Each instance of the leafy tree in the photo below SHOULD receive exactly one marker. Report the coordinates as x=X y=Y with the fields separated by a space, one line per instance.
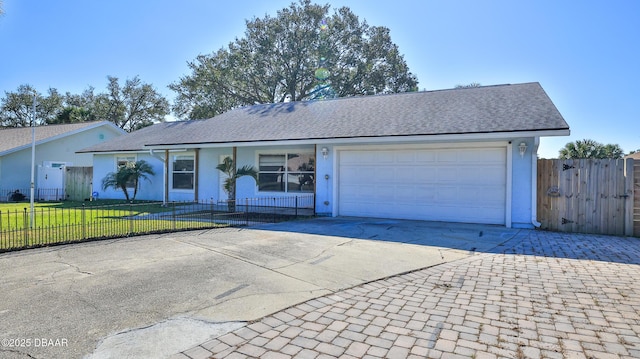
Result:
x=132 y=106
x=131 y=172
x=16 y=108
x=78 y=108
x=588 y=148
x=228 y=168
x=286 y=57
x=612 y=151
x=468 y=86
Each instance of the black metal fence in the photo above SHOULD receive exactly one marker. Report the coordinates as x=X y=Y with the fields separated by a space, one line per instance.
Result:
x=40 y=194
x=50 y=225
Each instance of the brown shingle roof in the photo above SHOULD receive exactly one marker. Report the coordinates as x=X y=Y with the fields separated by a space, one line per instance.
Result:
x=489 y=109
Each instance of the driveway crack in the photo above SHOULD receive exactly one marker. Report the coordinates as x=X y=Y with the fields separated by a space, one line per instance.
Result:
x=316 y=258
x=248 y=262
x=27 y=355
x=75 y=267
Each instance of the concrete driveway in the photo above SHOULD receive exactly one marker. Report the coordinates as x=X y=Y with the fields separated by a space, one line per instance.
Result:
x=540 y=295
x=153 y=296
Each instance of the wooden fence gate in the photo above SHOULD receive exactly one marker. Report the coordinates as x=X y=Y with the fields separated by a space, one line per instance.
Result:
x=589 y=196
x=78 y=183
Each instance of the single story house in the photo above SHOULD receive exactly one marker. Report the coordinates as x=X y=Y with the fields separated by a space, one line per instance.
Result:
x=56 y=148
x=458 y=155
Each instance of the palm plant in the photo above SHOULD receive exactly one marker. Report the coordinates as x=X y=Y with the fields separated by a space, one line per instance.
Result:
x=129 y=174
x=227 y=167
x=588 y=148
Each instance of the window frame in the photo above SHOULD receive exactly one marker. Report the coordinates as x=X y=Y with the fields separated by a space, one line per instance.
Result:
x=286 y=172
x=126 y=159
x=174 y=172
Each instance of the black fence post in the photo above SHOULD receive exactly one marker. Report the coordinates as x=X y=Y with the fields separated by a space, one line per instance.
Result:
x=296 y=207
x=173 y=214
x=26 y=228
x=84 y=218
x=211 y=209
x=131 y=230
x=246 y=210
x=274 y=210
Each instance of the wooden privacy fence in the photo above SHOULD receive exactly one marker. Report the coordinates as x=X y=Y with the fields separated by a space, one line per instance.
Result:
x=589 y=196
x=78 y=182
x=636 y=198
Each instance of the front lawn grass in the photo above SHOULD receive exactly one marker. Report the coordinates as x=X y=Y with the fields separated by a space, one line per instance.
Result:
x=62 y=222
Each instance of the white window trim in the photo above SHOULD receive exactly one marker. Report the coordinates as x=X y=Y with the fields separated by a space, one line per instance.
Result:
x=127 y=157
x=171 y=171
x=286 y=153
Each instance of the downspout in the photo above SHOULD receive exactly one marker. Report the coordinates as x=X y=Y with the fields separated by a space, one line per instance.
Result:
x=534 y=183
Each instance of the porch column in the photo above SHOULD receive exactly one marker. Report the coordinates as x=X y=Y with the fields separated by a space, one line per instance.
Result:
x=196 y=173
x=235 y=167
x=166 y=177
x=315 y=176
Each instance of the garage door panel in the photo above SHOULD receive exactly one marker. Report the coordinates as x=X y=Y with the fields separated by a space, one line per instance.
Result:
x=460 y=185
x=425 y=156
x=447 y=174
x=385 y=176
x=423 y=174
x=405 y=195
x=447 y=156
x=405 y=157
x=490 y=173
x=485 y=155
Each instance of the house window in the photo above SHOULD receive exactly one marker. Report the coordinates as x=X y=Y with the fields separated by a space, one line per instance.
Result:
x=121 y=161
x=183 y=172
x=287 y=172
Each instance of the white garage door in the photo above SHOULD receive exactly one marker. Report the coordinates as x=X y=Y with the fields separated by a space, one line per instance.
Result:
x=453 y=185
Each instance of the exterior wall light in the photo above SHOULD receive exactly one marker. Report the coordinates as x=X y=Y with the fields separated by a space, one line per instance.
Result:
x=325 y=152
x=523 y=148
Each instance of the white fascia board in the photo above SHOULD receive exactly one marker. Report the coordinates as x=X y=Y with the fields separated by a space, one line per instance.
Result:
x=115 y=152
x=145 y=151
x=388 y=139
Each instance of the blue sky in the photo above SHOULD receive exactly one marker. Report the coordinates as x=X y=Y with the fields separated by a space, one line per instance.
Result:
x=585 y=54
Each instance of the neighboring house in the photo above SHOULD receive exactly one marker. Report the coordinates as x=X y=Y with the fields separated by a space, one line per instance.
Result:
x=460 y=155
x=56 y=147
x=635 y=156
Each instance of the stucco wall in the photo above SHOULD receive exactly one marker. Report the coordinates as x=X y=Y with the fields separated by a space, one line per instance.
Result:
x=148 y=190
x=210 y=178
x=16 y=166
x=522 y=181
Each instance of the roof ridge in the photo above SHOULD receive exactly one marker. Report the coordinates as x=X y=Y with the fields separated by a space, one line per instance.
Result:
x=346 y=98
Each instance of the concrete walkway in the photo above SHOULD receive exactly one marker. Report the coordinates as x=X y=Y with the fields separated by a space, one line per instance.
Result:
x=539 y=295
